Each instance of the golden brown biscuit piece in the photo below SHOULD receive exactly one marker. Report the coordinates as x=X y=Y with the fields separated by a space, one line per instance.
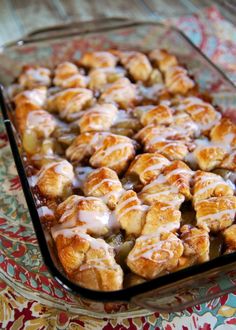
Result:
x=229 y=235
x=155 y=255
x=130 y=213
x=148 y=166
x=216 y=213
x=161 y=217
x=203 y=113
x=160 y=190
x=196 y=246
x=34 y=76
x=84 y=145
x=67 y=75
x=105 y=184
x=98 y=118
x=137 y=64
x=179 y=175
x=163 y=59
x=122 y=92
x=70 y=102
x=100 y=77
x=115 y=152
x=88 y=261
x=88 y=214
x=178 y=81
x=54 y=180
x=169 y=141
x=161 y=114
x=209 y=157
x=28 y=101
x=224 y=133
x=98 y=60
x=208 y=185
x=42 y=122
x=229 y=162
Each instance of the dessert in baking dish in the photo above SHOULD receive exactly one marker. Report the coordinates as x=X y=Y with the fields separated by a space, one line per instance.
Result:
x=132 y=167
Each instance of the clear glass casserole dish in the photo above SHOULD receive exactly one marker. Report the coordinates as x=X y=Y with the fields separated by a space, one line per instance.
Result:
x=167 y=293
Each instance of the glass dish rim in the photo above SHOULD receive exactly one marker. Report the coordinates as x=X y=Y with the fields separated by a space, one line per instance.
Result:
x=104 y=296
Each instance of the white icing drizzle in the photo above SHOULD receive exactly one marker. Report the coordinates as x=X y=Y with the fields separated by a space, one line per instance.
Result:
x=44 y=211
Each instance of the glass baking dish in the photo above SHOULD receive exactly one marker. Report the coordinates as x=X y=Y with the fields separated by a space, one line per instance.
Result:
x=172 y=292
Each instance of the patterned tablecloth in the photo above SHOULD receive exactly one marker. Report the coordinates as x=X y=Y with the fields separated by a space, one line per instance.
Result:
x=30 y=298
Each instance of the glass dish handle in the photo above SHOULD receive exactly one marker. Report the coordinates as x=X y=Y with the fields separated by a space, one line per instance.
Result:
x=72 y=28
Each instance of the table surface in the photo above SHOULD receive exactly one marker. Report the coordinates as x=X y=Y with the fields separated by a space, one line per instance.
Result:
x=210 y=26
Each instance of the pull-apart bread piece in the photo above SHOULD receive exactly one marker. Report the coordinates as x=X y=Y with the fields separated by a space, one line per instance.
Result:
x=154 y=255
x=163 y=59
x=224 y=133
x=99 y=78
x=69 y=102
x=115 y=152
x=98 y=60
x=161 y=190
x=178 y=81
x=203 y=113
x=122 y=92
x=26 y=102
x=172 y=186
x=216 y=213
x=168 y=141
x=229 y=162
x=54 y=180
x=89 y=214
x=229 y=235
x=137 y=64
x=34 y=76
x=130 y=213
x=209 y=156
x=67 y=75
x=39 y=126
x=160 y=114
x=208 y=185
x=105 y=184
x=160 y=218
x=147 y=166
x=100 y=117
x=88 y=261
x=196 y=243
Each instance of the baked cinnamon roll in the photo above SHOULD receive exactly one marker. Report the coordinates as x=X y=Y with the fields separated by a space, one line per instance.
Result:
x=229 y=162
x=224 y=133
x=155 y=255
x=105 y=184
x=209 y=156
x=67 y=75
x=216 y=213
